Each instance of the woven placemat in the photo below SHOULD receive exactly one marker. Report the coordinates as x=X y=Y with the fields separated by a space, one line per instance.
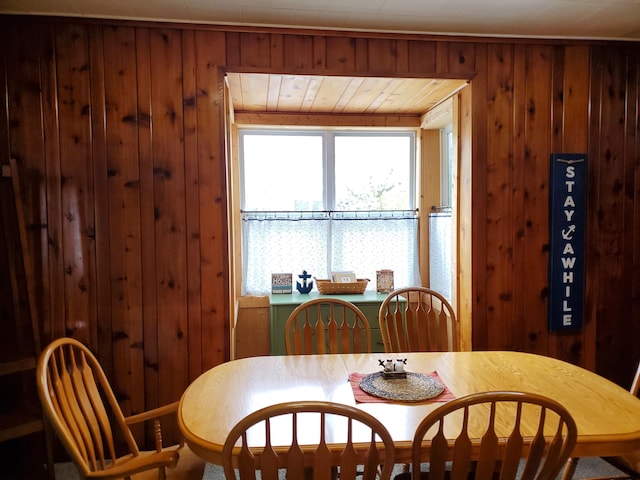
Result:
x=416 y=387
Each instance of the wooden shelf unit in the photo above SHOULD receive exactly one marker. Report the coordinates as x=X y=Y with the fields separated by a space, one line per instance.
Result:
x=20 y=412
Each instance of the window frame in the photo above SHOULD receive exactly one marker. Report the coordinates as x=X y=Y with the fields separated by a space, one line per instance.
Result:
x=446 y=145
x=328 y=136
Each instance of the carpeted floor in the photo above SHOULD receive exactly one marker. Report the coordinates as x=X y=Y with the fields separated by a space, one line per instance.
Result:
x=587 y=468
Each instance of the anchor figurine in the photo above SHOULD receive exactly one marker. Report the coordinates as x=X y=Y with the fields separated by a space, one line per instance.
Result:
x=306 y=285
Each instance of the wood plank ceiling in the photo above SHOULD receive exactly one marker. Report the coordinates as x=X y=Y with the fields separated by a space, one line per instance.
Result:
x=303 y=94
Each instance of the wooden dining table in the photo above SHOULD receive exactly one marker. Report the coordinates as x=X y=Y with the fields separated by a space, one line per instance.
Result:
x=607 y=416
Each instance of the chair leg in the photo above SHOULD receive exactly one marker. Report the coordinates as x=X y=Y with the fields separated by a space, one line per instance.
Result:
x=48 y=447
x=569 y=468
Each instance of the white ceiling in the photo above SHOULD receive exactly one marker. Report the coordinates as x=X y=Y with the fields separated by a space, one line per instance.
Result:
x=592 y=19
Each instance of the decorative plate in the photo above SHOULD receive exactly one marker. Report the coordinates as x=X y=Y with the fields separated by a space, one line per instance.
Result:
x=415 y=387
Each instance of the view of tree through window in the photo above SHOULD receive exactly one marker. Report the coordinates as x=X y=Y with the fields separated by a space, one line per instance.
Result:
x=327 y=200
x=371 y=173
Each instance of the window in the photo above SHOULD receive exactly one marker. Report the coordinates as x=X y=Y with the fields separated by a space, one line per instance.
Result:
x=446 y=156
x=441 y=226
x=325 y=201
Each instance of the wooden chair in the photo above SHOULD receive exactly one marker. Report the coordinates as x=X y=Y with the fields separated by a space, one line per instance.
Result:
x=292 y=436
x=629 y=464
x=77 y=400
x=503 y=444
x=418 y=319
x=327 y=325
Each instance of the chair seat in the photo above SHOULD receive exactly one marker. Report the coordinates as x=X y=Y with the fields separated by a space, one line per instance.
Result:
x=190 y=466
x=145 y=460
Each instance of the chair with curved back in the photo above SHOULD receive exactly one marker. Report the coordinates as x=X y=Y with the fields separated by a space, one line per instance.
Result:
x=294 y=436
x=418 y=319
x=78 y=401
x=442 y=439
x=629 y=463
x=327 y=325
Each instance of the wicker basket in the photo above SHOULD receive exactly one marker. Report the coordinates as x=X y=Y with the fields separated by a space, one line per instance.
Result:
x=327 y=287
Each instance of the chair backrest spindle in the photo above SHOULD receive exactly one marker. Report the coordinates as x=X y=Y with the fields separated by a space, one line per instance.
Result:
x=304 y=452
x=503 y=443
x=327 y=325
x=418 y=319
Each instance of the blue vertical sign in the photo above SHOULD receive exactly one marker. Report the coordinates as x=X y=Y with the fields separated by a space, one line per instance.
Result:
x=567 y=203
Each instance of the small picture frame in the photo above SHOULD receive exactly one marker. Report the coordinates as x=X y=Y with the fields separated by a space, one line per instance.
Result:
x=281 y=283
x=384 y=281
x=343 y=277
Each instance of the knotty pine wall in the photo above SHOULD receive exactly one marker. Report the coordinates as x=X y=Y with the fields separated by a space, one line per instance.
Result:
x=118 y=130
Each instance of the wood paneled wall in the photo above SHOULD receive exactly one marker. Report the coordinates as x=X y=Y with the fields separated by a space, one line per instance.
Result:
x=121 y=152
x=118 y=129
x=613 y=223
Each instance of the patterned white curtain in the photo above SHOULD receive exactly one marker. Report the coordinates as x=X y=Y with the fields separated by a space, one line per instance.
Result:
x=440 y=253
x=320 y=243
